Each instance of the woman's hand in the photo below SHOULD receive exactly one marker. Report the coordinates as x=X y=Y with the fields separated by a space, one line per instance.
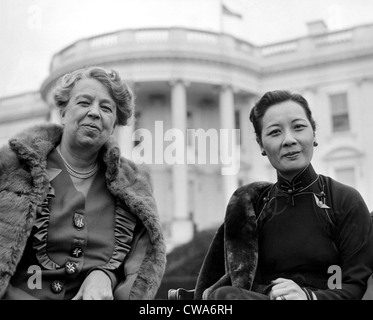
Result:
x=97 y=286
x=286 y=289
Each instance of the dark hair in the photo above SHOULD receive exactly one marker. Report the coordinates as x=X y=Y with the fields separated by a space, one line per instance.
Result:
x=271 y=98
x=118 y=90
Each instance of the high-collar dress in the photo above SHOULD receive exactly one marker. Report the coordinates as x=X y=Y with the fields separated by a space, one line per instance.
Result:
x=312 y=230
x=316 y=232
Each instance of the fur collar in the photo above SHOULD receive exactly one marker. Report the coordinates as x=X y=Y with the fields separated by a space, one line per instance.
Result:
x=233 y=255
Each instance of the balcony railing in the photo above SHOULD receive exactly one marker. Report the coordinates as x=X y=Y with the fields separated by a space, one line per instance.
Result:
x=280 y=48
x=20 y=99
x=128 y=41
x=197 y=41
x=27 y=104
x=334 y=38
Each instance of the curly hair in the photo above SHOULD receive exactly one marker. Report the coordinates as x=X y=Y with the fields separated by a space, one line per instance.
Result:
x=118 y=90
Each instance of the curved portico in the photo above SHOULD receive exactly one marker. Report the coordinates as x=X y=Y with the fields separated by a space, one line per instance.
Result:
x=187 y=80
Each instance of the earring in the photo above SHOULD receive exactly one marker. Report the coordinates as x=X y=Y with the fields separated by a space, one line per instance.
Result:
x=315 y=144
x=264 y=153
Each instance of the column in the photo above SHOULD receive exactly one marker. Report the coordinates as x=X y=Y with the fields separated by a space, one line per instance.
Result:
x=55 y=112
x=249 y=147
x=125 y=139
x=365 y=111
x=182 y=226
x=246 y=129
x=227 y=121
x=54 y=116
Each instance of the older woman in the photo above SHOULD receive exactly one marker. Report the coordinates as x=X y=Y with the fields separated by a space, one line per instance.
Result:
x=77 y=220
x=306 y=237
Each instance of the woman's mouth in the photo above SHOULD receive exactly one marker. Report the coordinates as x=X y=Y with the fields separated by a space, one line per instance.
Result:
x=91 y=126
x=292 y=154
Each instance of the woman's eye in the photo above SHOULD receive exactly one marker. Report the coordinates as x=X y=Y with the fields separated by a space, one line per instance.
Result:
x=274 y=132
x=83 y=103
x=107 y=108
x=299 y=127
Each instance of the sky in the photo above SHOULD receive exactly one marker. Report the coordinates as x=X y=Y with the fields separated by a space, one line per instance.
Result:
x=32 y=31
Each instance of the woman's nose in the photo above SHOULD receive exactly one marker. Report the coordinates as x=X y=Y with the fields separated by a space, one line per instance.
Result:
x=289 y=138
x=94 y=110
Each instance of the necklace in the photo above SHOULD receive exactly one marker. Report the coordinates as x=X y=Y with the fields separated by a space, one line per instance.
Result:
x=77 y=174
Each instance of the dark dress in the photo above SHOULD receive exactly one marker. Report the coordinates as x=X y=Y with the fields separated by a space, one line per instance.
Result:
x=316 y=232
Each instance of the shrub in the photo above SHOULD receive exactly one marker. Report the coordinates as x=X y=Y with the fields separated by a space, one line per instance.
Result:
x=184 y=263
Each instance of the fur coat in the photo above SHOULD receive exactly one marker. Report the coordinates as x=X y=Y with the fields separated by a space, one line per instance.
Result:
x=233 y=254
x=24 y=185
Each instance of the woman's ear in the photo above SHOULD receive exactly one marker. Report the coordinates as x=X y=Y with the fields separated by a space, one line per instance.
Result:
x=62 y=116
x=261 y=146
x=315 y=144
x=115 y=125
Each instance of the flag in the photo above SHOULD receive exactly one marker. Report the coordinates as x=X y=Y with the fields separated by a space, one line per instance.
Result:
x=229 y=12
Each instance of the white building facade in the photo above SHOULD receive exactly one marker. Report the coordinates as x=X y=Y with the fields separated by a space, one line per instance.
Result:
x=187 y=80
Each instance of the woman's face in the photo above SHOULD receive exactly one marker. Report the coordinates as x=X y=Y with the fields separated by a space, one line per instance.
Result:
x=89 y=117
x=287 y=138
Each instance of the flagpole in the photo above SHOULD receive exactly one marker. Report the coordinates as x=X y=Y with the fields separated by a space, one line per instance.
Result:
x=221 y=16
x=226 y=11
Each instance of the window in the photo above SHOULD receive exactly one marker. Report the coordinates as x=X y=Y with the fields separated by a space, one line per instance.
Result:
x=339 y=108
x=346 y=176
x=237 y=125
x=191 y=200
x=136 y=120
x=190 y=125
